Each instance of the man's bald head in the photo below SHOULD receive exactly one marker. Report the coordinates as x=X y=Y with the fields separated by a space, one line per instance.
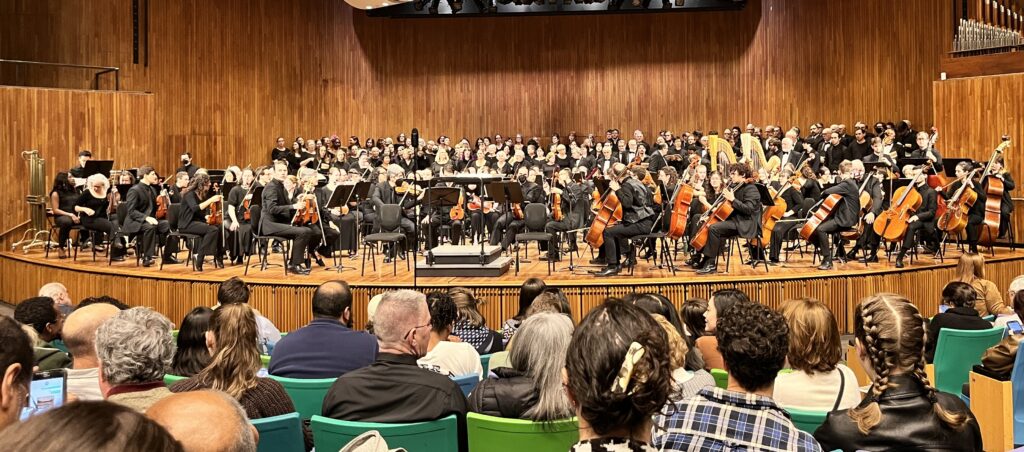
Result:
x=205 y=421
x=333 y=300
x=80 y=331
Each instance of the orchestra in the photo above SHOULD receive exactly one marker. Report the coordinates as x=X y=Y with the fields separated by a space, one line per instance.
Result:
x=764 y=190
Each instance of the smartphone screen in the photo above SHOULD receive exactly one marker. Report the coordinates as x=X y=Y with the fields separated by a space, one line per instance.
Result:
x=48 y=391
x=943 y=308
x=1015 y=327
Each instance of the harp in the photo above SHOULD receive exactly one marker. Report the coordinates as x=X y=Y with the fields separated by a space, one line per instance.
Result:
x=720 y=152
x=753 y=154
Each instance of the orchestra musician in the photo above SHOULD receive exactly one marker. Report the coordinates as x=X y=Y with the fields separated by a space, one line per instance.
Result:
x=238 y=203
x=442 y=216
x=637 y=218
x=63 y=196
x=397 y=191
x=174 y=191
x=924 y=151
x=78 y=172
x=187 y=165
x=794 y=205
x=327 y=236
x=141 y=208
x=1006 y=206
x=92 y=207
x=277 y=214
x=976 y=213
x=878 y=153
x=192 y=219
x=568 y=195
x=923 y=219
x=340 y=222
x=507 y=226
x=745 y=220
x=869 y=239
x=844 y=215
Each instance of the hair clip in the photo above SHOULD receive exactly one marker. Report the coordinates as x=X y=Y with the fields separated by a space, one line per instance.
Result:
x=633 y=356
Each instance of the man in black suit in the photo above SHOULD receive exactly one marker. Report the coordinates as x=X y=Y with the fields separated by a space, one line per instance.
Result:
x=78 y=172
x=386 y=193
x=186 y=165
x=869 y=239
x=788 y=155
x=844 y=215
x=657 y=160
x=278 y=211
x=606 y=160
x=141 y=207
x=926 y=150
x=532 y=193
x=834 y=152
x=923 y=219
x=745 y=220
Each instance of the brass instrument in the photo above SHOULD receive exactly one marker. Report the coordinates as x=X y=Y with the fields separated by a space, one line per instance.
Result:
x=37 y=201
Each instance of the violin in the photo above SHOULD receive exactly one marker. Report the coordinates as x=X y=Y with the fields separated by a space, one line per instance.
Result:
x=309 y=213
x=163 y=202
x=216 y=215
x=476 y=204
x=457 y=213
x=993 y=198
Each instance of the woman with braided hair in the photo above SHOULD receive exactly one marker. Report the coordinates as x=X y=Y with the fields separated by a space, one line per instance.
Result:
x=902 y=409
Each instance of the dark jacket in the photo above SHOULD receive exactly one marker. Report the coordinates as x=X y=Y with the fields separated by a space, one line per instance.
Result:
x=323 y=349
x=929 y=204
x=847 y=212
x=509 y=395
x=747 y=211
x=955 y=318
x=277 y=208
x=908 y=423
x=140 y=204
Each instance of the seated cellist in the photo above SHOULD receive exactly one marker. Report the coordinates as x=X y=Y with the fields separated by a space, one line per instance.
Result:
x=794 y=201
x=637 y=218
x=976 y=213
x=924 y=217
x=844 y=215
x=745 y=220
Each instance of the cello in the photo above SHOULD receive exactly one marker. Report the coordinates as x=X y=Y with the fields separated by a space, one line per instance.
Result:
x=775 y=212
x=822 y=213
x=892 y=223
x=680 y=201
x=718 y=212
x=865 y=204
x=556 y=200
x=993 y=198
x=954 y=219
x=608 y=212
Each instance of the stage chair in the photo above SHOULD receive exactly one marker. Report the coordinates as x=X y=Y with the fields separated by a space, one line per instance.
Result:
x=535 y=217
x=280 y=433
x=263 y=243
x=496 y=434
x=805 y=420
x=485 y=362
x=265 y=359
x=467 y=383
x=191 y=240
x=998 y=406
x=390 y=220
x=122 y=216
x=441 y=435
x=663 y=258
x=306 y=393
x=55 y=232
x=955 y=353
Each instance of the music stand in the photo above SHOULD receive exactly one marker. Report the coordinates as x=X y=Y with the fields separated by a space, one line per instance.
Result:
x=949 y=165
x=97 y=167
x=436 y=198
x=361 y=192
x=341 y=196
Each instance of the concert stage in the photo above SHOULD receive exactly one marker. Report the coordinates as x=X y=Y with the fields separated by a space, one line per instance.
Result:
x=286 y=299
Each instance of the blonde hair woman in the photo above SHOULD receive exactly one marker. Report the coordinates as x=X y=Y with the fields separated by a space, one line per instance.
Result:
x=970 y=268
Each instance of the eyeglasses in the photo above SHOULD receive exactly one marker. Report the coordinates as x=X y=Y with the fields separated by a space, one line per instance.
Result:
x=413 y=330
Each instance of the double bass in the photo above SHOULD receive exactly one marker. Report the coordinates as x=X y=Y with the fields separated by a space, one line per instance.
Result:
x=608 y=211
x=954 y=219
x=993 y=198
x=892 y=223
x=718 y=212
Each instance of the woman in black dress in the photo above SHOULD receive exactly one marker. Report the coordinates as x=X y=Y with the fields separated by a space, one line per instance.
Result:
x=192 y=219
x=92 y=208
x=62 y=203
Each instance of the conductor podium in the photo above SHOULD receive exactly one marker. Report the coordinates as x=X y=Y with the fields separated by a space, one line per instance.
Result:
x=465 y=260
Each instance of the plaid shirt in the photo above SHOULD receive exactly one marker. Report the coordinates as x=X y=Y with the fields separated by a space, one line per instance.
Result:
x=719 y=420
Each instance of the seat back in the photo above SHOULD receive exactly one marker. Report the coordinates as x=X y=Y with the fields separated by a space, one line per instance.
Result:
x=307 y=393
x=536 y=216
x=122 y=213
x=467 y=382
x=957 y=351
x=172 y=379
x=485 y=362
x=390 y=217
x=255 y=219
x=441 y=435
x=495 y=434
x=989 y=318
x=172 y=216
x=280 y=433
x=721 y=378
x=805 y=420
x=1017 y=383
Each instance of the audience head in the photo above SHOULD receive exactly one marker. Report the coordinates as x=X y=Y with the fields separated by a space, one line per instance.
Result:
x=134 y=346
x=57 y=291
x=692 y=313
x=402 y=323
x=969 y=267
x=656 y=304
x=233 y=341
x=813 y=336
x=527 y=293
x=541 y=344
x=467 y=304
x=234 y=290
x=550 y=300
x=890 y=338
x=93 y=426
x=106 y=299
x=443 y=312
x=205 y=421
x=16 y=363
x=1018 y=303
x=333 y=300
x=959 y=295
x=753 y=341
x=618 y=373
x=191 y=354
x=677 y=348
x=42 y=314
x=722 y=300
x=80 y=332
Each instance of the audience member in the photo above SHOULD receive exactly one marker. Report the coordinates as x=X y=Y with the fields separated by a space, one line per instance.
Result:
x=660 y=305
x=205 y=421
x=134 y=348
x=532 y=387
x=80 y=337
x=617 y=376
x=471 y=327
x=394 y=388
x=95 y=426
x=16 y=367
x=192 y=354
x=551 y=299
x=902 y=410
x=443 y=355
x=721 y=300
x=686 y=383
x=235 y=360
x=960 y=298
x=1016 y=286
x=60 y=296
x=753 y=342
x=999 y=359
x=371 y=309
x=103 y=299
x=527 y=293
x=233 y=291
x=970 y=269
x=818 y=381
x=43 y=317
x=691 y=314
x=327 y=347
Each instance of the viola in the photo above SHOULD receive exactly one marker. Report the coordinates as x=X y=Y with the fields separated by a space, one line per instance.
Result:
x=163 y=202
x=475 y=204
x=517 y=211
x=216 y=216
x=993 y=198
x=308 y=213
x=556 y=201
